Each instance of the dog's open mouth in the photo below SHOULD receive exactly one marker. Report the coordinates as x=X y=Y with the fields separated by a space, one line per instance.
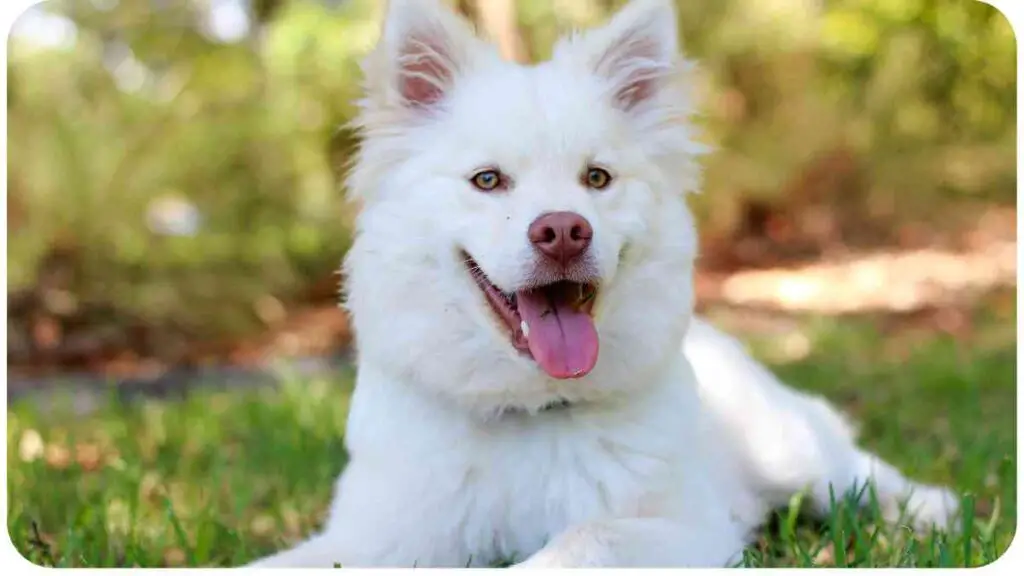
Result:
x=553 y=323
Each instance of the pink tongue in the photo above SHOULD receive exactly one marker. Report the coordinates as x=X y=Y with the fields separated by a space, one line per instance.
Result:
x=562 y=339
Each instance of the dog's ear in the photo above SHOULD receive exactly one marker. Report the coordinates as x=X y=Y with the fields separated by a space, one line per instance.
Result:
x=637 y=58
x=637 y=52
x=423 y=48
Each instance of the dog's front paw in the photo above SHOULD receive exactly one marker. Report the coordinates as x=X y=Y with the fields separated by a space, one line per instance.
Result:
x=548 y=558
x=576 y=548
x=932 y=507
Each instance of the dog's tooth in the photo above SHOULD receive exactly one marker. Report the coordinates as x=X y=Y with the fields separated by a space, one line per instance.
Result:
x=525 y=328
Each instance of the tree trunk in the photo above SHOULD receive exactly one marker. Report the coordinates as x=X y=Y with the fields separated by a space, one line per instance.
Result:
x=498 y=20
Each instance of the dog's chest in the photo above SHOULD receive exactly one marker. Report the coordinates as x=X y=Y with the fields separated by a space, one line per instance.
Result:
x=525 y=485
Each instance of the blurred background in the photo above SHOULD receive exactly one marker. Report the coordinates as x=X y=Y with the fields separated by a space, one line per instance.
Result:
x=175 y=174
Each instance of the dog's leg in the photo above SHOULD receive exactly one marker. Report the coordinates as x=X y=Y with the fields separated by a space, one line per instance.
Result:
x=786 y=441
x=320 y=551
x=640 y=543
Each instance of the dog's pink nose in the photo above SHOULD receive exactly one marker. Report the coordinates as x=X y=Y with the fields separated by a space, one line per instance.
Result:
x=561 y=236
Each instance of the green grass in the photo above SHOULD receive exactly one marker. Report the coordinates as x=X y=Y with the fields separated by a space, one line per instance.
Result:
x=223 y=478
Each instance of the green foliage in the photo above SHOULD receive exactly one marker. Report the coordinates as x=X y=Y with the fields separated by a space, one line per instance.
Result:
x=146 y=105
x=918 y=94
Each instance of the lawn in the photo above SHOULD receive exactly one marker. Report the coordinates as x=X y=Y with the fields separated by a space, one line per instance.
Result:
x=222 y=478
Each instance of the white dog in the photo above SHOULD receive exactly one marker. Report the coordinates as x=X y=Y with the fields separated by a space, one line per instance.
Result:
x=521 y=286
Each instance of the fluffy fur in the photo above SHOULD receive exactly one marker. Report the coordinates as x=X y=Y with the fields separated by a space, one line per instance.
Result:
x=671 y=451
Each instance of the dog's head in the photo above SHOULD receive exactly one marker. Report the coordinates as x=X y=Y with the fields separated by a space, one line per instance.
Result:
x=524 y=236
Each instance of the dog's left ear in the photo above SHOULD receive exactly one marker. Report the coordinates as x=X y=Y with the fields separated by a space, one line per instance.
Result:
x=637 y=52
x=636 y=57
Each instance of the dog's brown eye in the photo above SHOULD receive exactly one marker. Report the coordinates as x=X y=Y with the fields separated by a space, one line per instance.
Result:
x=597 y=178
x=487 y=180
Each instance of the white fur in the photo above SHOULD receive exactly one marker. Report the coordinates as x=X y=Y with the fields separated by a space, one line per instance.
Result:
x=662 y=458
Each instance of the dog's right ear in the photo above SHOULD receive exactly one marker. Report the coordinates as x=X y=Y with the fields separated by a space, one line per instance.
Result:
x=423 y=49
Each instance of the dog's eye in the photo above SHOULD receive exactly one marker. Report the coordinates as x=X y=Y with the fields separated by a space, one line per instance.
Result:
x=597 y=178
x=487 y=180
